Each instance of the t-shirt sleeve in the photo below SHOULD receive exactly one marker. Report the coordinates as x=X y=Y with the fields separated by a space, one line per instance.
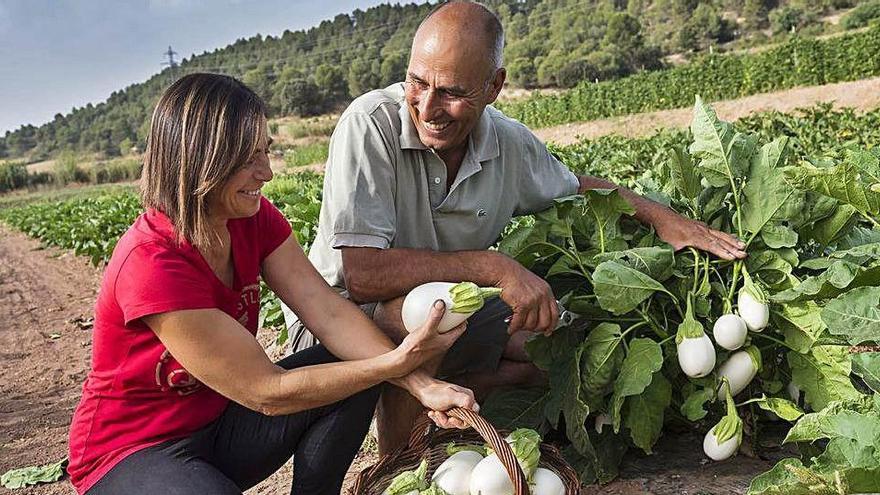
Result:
x=542 y=177
x=156 y=279
x=359 y=185
x=274 y=229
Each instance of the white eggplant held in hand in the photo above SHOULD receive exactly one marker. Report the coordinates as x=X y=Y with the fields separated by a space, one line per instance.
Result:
x=696 y=354
x=724 y=439
x=752 y=305
x=740 y=368
x=730 y=331
x=462 y=300
x=454 y=475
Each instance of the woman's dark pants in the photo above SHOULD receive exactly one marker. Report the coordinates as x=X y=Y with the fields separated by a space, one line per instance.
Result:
x=244 y=447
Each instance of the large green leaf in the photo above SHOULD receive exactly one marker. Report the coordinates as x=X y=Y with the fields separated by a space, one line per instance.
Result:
x=604 y=207
x=815 y=425
x=655 y=261
x=855 y=315
x=682 y=173
x=724 y=154
x=766 y=192
x=800 y=323
x=867 y=366
x=847 y=182
x=783 y=408
x=823 y=375
x=694 y=406
x=560 y=355
x=510 y=408
x=783 y=479
x=602 y=356
x=645 y=357
x=621 y=289
x=644 y=412
x=836 y=279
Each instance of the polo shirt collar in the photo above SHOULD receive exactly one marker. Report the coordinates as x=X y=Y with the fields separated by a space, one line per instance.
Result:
x=483 y=139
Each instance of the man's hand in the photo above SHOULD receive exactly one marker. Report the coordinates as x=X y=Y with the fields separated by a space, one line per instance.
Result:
x=682 y=232
x=529 y=296
x=440 y=396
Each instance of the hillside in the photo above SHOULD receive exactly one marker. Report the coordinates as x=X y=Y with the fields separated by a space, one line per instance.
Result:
x=550 y=43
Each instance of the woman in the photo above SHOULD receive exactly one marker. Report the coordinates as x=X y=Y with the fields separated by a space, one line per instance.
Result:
x=181 y=399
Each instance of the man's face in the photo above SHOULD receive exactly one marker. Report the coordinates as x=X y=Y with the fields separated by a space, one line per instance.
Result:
x=447 y=87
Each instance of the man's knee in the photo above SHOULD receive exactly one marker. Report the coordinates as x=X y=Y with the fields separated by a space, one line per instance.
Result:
x=387 y=318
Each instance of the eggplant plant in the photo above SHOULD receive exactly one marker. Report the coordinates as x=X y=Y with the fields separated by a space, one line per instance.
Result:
x=789 y=316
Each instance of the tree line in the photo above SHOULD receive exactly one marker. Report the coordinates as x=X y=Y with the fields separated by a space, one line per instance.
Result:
x=550 y=43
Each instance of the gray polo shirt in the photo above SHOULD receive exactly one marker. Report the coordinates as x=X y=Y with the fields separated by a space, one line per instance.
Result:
x=383 y=188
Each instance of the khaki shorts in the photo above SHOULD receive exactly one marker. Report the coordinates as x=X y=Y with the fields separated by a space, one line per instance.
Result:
x=479 y=349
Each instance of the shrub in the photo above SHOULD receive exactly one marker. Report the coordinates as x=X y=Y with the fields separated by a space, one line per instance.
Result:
x=67 y=169
x=862 y=15
x=13 y=175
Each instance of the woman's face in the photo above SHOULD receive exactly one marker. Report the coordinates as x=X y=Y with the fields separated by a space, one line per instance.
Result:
x=239 y=196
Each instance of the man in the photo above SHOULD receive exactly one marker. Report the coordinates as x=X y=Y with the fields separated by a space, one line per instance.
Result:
x=422 y=178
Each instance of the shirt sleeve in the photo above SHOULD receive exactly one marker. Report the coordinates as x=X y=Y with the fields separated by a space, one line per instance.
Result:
x=274 y=229
x=542 y=178
x=157 y=279
x=359 y=185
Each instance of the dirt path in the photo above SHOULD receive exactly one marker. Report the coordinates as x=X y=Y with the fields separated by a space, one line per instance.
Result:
x=863 y=95
x=44 y=352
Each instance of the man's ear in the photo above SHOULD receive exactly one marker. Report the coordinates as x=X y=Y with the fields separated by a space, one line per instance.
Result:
x=497 y=83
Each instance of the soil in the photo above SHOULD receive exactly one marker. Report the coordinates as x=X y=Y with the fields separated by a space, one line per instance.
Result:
x=46 y=302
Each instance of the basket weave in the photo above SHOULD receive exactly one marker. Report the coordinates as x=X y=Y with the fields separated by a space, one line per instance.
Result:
x=427 y=442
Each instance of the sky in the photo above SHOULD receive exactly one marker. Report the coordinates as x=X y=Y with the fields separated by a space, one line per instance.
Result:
x=60 y=54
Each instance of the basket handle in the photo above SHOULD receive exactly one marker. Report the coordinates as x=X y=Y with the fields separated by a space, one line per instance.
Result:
x=423 y=430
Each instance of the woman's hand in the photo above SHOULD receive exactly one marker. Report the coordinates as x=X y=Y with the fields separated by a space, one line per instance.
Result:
x=426 y=343
x=440 y=396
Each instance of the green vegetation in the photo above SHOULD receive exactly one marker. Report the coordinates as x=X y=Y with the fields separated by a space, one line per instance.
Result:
x=813 y=240
x=549 y=43
x=307 y=154
x=799 y=62
x=799 y=189
x=862 y=15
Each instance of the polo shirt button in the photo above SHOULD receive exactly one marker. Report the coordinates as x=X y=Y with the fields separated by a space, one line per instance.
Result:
x=436 y=180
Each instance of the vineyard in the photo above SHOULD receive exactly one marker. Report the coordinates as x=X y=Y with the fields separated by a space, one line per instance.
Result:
x=802 y=190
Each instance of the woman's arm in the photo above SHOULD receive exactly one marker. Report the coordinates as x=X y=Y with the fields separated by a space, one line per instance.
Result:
x=223 y=355
x=346 y=331
x=337 y=322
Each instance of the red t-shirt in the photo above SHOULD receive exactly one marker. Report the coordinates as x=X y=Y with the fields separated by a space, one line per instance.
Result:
x=136 y=394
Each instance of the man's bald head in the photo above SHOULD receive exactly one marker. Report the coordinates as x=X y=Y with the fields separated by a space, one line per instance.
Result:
x=466 y=22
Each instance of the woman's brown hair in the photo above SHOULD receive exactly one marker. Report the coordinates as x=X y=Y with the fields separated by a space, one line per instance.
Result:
x=204 y=127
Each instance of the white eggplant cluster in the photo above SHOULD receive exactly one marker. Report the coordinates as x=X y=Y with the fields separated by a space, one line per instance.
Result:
x=468 y=472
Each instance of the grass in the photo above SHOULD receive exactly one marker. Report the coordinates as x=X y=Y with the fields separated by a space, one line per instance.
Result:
x=306 y=154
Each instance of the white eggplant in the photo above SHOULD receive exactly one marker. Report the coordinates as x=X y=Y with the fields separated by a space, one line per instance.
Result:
x=730 y=331
x=752 y=305
x=546 y=482
x=454 y=475
x=740 y=368
x=696 y=354
x=718 y=452
x=462 y=300
x=490 y=478
x=724 y=439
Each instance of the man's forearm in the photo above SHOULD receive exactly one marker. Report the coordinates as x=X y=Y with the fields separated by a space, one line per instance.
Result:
x=382 y=274
x=647 y=211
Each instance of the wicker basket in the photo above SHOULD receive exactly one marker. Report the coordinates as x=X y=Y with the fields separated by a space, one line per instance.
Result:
x=430 y=443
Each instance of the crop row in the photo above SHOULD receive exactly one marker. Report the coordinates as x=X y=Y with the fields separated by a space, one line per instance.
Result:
x=799 y=62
